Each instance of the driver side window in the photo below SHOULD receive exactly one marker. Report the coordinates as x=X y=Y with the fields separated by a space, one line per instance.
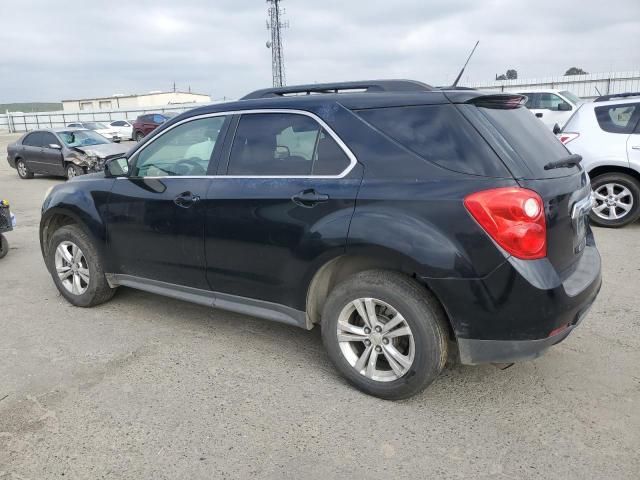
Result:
x=185 y=150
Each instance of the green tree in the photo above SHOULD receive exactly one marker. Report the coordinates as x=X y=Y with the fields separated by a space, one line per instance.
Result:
x=512 y=74
x=575 y=71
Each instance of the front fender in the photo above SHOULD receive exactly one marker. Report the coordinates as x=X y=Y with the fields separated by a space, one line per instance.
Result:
x=84 y=202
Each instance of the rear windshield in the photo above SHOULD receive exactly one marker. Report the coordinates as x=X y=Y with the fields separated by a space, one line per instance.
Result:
x=528 y=139
x=440 y=134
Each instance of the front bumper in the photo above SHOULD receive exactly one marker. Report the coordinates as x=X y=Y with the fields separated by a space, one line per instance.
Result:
x=520 y=309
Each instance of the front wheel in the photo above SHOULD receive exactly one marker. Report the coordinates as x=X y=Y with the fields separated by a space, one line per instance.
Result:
x=74 y=171
x=76 y=268
x=617 y=200
x=139 y=136
x=385 y=333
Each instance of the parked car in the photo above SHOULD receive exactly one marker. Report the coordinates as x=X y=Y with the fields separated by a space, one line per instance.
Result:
x=107 y=132
x=552 y=106
x=123 y=128
x=145 y=124
x=402 y=219
x=65 y=152
x=606 y=133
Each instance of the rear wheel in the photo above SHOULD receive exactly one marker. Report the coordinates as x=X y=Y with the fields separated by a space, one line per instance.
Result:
x=4 y=246
x=617 y=200
x=76 y=268
x=23 y=170
x=385 y=333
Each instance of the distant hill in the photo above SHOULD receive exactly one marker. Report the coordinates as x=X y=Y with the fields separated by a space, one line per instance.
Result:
x=31 y=107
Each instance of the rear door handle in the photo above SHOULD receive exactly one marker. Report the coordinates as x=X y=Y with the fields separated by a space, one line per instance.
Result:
x=539 y=114
x=309 y=198
x=636 y=147
x=186 y=199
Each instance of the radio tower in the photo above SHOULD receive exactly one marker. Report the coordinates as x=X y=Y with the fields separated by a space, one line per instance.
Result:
x=275 y=24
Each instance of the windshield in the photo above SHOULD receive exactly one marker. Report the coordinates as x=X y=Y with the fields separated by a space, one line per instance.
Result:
x=94 y=125
x=82 y=138
x=572 y=97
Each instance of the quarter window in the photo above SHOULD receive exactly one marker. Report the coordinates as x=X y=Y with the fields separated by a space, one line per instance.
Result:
x=618 y=118
x=273 y=144
x=185 y=150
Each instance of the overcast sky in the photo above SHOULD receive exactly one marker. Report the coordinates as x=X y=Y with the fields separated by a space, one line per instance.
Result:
x=53 y=50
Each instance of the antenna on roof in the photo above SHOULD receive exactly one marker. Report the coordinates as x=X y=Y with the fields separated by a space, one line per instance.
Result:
x=455 y=84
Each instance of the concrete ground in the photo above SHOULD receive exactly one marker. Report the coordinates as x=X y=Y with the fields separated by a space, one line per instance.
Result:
x=145 y=387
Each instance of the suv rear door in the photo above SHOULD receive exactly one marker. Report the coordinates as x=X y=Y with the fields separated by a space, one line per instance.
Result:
x=281 y=206
x=527 y=146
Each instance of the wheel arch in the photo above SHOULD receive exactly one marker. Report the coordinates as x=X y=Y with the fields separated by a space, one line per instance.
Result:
x=56 y=218
x=334 y=271
x=604 y=169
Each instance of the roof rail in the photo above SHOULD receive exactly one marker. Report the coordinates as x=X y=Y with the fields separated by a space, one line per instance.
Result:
x=604 y=98
x=364 y=86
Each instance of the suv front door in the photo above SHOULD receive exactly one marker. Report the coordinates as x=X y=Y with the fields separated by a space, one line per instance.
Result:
x=51 y=158
x=281 y=207
x=155 y=224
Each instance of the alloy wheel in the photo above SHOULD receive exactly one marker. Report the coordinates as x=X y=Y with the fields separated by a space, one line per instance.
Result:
x=613 y=201
x=71 y=172
x=375 y=339
x=22 y=169
x=72 y=268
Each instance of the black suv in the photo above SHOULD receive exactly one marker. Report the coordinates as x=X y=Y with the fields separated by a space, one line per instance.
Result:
x=405 y=220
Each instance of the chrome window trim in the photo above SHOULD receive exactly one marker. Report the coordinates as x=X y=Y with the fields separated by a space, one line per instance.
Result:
x=352 y=158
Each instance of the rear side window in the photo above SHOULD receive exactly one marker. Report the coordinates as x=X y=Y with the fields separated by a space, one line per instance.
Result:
x=440 y=134
x=618 y=118
x=33 y=139
x=282 y=144
x=527 y=138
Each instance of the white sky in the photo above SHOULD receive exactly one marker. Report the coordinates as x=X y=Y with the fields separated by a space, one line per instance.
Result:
x=51 y=50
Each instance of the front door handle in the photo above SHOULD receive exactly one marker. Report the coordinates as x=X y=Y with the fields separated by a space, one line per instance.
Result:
x=186 y=199
x=539 y=114
x=309 y=198
x=636 y=147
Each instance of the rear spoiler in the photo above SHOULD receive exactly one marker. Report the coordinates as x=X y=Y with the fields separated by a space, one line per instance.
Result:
x=502 y=101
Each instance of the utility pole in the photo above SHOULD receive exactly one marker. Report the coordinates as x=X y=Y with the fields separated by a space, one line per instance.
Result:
x=275 y=25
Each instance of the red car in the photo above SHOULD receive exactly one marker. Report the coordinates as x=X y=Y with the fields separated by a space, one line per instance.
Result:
x=146 y=123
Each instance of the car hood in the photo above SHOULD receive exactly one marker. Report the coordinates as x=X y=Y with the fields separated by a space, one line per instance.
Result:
x=103 y=151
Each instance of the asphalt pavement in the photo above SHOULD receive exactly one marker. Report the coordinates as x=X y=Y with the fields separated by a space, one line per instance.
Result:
x=146 y=387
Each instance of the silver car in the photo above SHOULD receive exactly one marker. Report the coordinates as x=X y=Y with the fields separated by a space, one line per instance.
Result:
x=67 y=152
x=606 y=133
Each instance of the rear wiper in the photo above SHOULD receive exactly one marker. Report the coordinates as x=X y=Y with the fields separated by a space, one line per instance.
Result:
x=568 y=161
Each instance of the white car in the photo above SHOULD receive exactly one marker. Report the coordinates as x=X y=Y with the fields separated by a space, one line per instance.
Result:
x=107 y=132
x=124 y=128
x=606 y=133
x=552 y=106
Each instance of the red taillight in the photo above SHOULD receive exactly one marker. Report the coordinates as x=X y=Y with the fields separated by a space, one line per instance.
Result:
x=514 y=218
x=567 y=137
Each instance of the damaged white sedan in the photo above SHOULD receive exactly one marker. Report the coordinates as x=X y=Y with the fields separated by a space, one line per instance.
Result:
x=67 y=152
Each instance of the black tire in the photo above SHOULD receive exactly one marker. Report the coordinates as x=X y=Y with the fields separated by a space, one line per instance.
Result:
x=422 y=313
x=618 y=180
x=139 y=136
x=73 y=170
x=98 y=290
x=4 y=246
x=23 y=171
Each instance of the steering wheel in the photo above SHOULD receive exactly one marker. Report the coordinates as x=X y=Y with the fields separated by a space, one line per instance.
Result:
x=189 y=166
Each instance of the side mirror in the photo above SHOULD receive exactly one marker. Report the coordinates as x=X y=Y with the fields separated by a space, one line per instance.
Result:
x=55 y=146
x=116 y=167
x=564 y=107
x=556 y=129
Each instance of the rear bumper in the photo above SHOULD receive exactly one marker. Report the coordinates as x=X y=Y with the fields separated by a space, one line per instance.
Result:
x=520 y=309
x=473 y=352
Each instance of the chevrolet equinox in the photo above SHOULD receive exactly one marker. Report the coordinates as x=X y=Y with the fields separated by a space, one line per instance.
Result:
x=404 y=220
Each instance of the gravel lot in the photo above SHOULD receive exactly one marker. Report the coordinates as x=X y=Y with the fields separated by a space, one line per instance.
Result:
x=147 y=387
